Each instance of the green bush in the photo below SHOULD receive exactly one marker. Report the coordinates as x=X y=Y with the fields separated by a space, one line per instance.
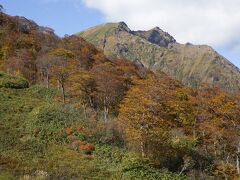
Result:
x=126 y=165
x=12 y=82
x=41 y=92
x=51 y=120
x=6 y=176
x=110 y=153
x=133 y=167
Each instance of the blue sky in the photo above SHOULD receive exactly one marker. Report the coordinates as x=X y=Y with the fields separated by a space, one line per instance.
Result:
x=65 y=17
x=198 y=23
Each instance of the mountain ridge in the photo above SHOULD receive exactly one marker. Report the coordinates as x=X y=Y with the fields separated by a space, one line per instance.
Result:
x=158 y=50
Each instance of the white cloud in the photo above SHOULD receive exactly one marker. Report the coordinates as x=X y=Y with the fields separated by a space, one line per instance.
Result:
x=213 y=22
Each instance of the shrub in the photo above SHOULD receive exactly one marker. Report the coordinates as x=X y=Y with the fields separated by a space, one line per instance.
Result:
x=41 y=92
x=225 y=171
x=87 y=148
x=83 y=146
x=12 y=82
x=135 y=168
x=6 y=176
x=51 y=122
x=76 y=144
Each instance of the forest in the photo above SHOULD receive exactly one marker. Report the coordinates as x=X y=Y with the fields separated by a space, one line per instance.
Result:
x=69 y=112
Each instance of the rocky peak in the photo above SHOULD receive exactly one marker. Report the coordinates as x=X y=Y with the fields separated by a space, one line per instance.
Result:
x=156 y=36
x=123 y=26
x=156 y=29
x=25 y=24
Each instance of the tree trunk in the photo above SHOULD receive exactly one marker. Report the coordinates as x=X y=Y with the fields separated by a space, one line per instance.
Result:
x=85 y=110
x=205 y=146
x=227 y=159
x=215 y=148
x=105 y=114
x=238 y=166
x=194 y=129
x=63 y=92
x=90 y=101
x=183 y=169
x=142 y=149
x=206 y=150
x=47 y=80
x=238 y=170
x=105 y=110
x=142 y=144
x=58 y=85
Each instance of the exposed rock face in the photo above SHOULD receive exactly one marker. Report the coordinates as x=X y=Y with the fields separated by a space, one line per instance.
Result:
x=159 y=51
x=156 y=36
x=25 y=25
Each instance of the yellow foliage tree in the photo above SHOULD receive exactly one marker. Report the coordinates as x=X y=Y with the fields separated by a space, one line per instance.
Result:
x=145 y=119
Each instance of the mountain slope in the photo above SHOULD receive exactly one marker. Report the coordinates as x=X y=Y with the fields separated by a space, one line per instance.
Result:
x=117 y=120
x=159 y=51
x=43 y=138
x=23 y=44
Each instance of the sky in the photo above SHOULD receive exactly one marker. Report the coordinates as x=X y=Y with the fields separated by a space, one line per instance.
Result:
x=212 y=22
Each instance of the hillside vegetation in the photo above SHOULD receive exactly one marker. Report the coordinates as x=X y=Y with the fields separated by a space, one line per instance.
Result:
x=69 y=112
x=43 y=138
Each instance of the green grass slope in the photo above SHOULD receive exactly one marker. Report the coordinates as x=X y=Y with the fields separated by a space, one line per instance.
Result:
x=98 y=33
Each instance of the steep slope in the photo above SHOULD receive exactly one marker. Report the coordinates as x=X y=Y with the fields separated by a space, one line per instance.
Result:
x=159 y=51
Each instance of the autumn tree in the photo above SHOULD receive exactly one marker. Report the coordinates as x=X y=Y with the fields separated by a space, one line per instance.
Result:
x=82 y=87
x=183 y=108
x=156 y=119
x=87 y=54
x=64 y=64
x=144 y=119
x=110 y=87
x=44 y=65
x=218 y=126
x=23 y=63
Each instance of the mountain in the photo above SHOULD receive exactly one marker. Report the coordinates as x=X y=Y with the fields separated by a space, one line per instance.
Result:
x=157 y=50
x=69 y=112
x=43 y=136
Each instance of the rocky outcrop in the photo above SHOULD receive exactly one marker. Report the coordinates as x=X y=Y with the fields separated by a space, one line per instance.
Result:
x=25 y=25
x=156 y=36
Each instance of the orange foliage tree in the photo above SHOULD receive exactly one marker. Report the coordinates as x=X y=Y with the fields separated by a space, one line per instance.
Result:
x=218 y=126
x=145 y=117
x=81 y=87
x=64 y=64
x=110 y=87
